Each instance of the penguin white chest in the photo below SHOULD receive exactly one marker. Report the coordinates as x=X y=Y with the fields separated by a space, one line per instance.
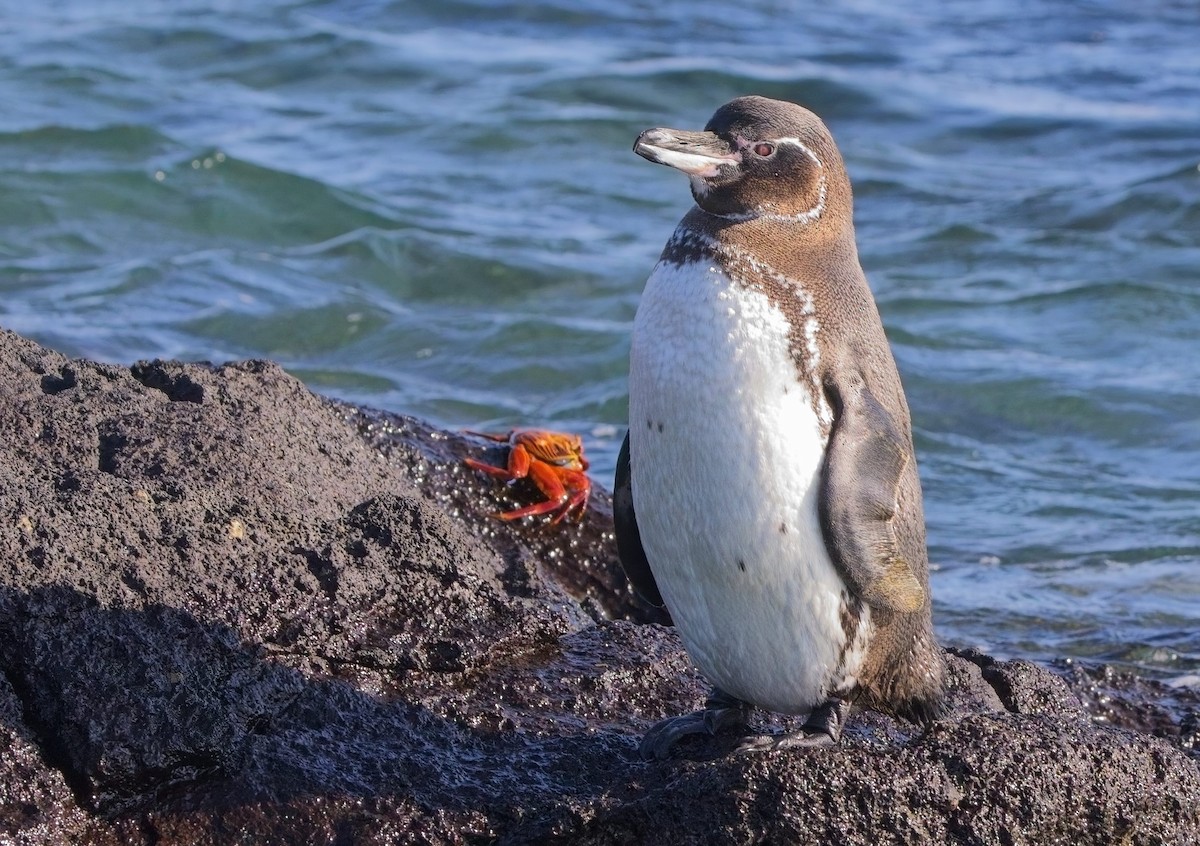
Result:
x=726 y=450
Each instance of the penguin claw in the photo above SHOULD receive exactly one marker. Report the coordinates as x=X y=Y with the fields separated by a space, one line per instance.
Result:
x=823 y=728
x=720 y=712
x=663 y=735
x=791 y=740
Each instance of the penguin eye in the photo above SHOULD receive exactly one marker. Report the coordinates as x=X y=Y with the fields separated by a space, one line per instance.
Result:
x=762 y=148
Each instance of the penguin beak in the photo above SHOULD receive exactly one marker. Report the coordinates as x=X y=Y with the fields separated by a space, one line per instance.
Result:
x=701 y=154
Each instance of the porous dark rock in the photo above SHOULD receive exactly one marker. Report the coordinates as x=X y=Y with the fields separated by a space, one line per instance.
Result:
x=232 y=611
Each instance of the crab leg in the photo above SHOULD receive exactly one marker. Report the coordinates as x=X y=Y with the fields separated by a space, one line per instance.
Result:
x=491 y=436
x=578 y=502
x=547 y=482
x=518 y=465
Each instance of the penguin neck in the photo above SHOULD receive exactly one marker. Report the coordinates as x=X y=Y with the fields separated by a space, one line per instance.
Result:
x=800 y=250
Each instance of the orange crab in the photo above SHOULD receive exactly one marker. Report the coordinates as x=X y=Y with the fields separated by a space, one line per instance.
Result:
x=551 y=460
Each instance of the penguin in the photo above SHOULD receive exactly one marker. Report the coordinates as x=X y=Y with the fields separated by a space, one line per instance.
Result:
x=767 y=491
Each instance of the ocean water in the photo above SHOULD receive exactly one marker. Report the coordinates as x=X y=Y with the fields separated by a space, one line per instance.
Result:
x=432 y=208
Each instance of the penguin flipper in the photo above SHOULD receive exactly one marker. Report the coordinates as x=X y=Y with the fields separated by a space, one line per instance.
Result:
x=865 y=465
x=629 y=539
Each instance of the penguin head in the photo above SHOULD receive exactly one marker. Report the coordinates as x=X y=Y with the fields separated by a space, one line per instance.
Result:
x=757 y=158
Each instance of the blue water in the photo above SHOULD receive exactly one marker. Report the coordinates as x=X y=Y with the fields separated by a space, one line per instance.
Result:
x=433 y=208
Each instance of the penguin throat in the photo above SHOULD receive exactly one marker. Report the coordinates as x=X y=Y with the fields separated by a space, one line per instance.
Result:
x=690 y=247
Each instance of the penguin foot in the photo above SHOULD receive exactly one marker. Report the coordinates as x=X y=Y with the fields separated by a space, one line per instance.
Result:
x=720 y=711
x=822 y=728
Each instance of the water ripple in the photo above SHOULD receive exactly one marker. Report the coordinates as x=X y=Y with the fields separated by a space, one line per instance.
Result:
x=433 y=207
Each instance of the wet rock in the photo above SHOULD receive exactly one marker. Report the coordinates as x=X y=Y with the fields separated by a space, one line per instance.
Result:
x=232 y=611
x=36 y=805
x=1147 y=706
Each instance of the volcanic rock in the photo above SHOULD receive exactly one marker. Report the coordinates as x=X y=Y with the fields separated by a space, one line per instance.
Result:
x=232 y=611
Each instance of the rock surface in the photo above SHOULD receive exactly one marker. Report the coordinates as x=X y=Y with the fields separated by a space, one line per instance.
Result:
x=234 y=612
